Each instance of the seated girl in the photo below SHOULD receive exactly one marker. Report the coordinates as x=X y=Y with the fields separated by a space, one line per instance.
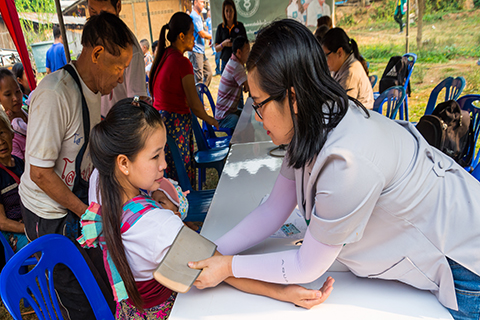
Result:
x=135 y=232
x=347 y=66
x=11 y=169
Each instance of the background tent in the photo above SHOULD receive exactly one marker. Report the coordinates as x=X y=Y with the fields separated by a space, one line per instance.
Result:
x=10 y=16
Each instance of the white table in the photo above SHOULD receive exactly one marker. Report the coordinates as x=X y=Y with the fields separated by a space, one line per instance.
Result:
x=248 y=129
x=248 y=175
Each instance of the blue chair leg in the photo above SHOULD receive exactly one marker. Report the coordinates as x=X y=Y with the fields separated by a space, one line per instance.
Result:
x=202 y=175
x=200 y=178
x=24 y=270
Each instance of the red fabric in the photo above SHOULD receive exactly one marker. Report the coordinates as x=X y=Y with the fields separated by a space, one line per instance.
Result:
x=168 y=93
x=10 y=16
x=152 y=292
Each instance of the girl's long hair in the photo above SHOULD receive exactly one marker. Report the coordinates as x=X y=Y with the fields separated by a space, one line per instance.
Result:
x=123 y=132
x=286 y=55
x=337 y=38
x=180 y=22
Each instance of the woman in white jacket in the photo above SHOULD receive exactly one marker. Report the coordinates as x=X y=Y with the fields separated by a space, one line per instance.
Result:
x=376 y=196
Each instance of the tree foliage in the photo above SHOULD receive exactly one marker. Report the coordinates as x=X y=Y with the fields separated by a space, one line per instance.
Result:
x=39 y=6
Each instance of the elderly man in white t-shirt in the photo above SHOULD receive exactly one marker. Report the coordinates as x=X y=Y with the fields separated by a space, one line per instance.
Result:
x=134 y=76
x=63 y=109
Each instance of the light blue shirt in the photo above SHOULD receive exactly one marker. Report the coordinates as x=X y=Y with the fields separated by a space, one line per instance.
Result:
x=199 y=46
x=208 y=22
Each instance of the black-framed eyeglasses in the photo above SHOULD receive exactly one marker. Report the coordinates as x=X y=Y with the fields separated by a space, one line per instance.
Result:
x=261 y=104
x=327 y=54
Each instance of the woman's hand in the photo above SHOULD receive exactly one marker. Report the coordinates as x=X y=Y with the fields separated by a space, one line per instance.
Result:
x=215 y=270
x=307 y=298
x=227 y=43
x=212 y=121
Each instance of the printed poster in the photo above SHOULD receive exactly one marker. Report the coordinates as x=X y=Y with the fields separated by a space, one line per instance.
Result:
x=256 y=13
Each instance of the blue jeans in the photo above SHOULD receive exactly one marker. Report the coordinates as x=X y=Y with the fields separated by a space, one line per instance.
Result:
x=230 y=121
x=218 y=63
x=467 y=289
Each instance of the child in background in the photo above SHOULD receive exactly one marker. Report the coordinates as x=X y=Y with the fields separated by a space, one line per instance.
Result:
x=170 y=196
x=11 y=100
x=19 y=72
x=135 y=232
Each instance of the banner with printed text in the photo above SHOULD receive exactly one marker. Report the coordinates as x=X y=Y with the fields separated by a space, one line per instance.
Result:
x=256 y=13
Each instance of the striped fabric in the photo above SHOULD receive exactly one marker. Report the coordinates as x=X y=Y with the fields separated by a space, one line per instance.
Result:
x=92 y=235
x=230 y=88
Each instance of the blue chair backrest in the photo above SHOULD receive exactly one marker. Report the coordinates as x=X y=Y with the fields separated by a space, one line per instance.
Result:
x=203 y=90
x=467 y=103
x=394 y=97
x=373 y=80
x=200 y=138
x=412 y=58
x=453 y=90
x=6 y=248
x=36 y=286
x=183 y=179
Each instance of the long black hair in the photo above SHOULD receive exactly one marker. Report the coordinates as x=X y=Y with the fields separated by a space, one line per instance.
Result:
x=287 y=55
x=337 y=38
x=180 y=22
x=123 y=132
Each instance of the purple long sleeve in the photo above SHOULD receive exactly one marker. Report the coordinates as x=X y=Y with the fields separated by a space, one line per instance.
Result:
x=263 y=221
x=292 y=266
x=302 y=265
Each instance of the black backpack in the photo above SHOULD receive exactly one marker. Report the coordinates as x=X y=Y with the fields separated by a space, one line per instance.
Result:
x=449 y=129
x=395 y=74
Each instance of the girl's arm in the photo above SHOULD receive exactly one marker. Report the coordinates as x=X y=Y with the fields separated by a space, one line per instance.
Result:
x=298 y=295
x=292 y=266
x=9 y=225
x=188 y=83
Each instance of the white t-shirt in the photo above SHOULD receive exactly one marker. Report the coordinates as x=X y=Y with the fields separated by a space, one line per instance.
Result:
x=315 y=11
x=133 y=81
x=148 y=240
x=55 y=136
x=294 y=13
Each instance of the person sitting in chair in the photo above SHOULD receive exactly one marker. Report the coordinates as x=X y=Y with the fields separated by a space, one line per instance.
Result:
x=233 y=79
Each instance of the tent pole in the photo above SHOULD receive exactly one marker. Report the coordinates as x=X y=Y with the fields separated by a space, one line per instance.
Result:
x=62 y=30
x=149 y=23
x=407 y=31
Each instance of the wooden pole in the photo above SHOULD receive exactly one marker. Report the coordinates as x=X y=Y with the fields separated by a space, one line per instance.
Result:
x=62 y=30
x=407 y=49
x=149 y=23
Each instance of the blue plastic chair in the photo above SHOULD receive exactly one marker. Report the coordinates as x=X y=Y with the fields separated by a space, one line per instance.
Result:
x=9 y=254
x=466 y=103
x=453 y=90
x=394 y=97
x=36 y=286
x=207 y=157
x=412 y=58
x=198 y=201
x=209 y=130
x=373 y=80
